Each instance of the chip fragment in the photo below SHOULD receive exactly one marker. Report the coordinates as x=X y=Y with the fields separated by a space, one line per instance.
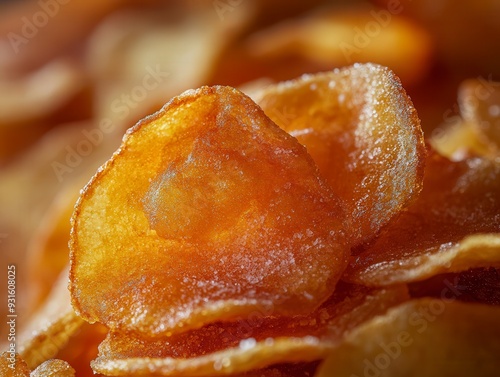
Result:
x=362 y=131
x=453 y=226
x=208 y=178
x=424 y=337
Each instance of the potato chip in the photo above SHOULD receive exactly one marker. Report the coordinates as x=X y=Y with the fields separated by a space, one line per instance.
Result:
x=54 y=368
x=254 y=342
x=446 y=230
x=362 y=131
x=12 y=365
x=338 y=37
x=225 y=187
x=221 y=363
x=333 y=318
x=422 y=338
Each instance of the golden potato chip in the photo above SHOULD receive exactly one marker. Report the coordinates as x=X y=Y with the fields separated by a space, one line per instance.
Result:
x=338 y=37
x=220 y=363
x=445 y=230
x=12 y=365
x=422 y=338
x=362 y=131
x=253 y=342
x=54 y=368
x=225 y=187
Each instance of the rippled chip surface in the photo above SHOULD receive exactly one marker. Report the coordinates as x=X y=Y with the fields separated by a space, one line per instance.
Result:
x=250 y=343
x=362 y=131
x=452 y=226
x=208 y=211
x=422 y=338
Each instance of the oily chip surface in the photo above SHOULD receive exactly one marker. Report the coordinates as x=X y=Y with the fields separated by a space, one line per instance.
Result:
x=208 y=179
x=363 y=132
x=453 y=226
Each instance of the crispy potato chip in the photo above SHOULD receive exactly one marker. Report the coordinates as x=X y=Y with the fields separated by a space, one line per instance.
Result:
x=253 y=342
x=338 y=37
x=444 y=231
x=220 y=363
x=422 y=338
x=54 y=368
x=225 y=187
x=12 y=365
x=362 y=131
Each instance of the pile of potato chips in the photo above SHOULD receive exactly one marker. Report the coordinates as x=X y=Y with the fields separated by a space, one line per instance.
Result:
x=281 y=210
